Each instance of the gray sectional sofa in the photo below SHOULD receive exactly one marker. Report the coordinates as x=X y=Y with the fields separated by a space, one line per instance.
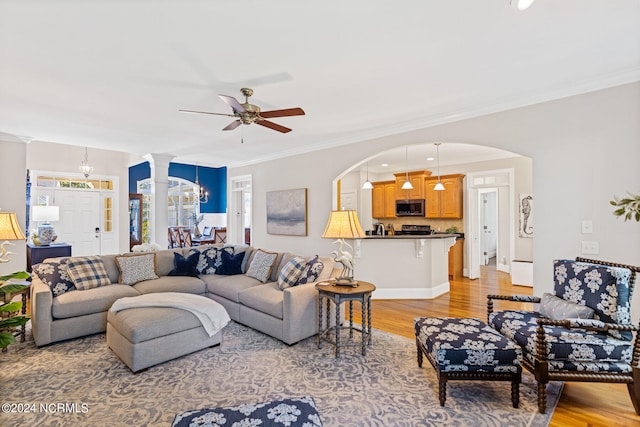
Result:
x=60 y=311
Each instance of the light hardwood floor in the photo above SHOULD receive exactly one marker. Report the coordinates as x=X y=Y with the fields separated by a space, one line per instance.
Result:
x=581 y=404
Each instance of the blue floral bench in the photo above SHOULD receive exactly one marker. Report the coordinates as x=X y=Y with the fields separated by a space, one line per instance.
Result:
x=581 y=332
x=467 y=349
x=300 y=412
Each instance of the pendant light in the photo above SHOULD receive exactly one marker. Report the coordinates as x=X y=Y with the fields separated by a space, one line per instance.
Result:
x=407 y=184
x=367 y=185
x=439 y=185
x=85 y=167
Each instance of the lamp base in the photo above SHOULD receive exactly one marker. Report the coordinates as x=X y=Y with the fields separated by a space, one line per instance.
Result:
x=45 y=234
x=346 y=281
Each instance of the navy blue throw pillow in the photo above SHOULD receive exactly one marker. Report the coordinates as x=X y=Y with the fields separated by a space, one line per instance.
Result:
x=231 y=264
x=185 y=266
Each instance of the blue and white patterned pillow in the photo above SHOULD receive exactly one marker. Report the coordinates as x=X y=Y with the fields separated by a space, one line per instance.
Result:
x=261 y=265
x=291 y=272
x=311 y=271
x=87 y=272
x=53 y=273
x=605 y=289
x=210 y=258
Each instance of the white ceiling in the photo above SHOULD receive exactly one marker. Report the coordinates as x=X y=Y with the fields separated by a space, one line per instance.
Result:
x=114 y=74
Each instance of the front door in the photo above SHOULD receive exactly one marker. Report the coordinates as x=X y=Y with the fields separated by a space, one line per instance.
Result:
x=79 y=223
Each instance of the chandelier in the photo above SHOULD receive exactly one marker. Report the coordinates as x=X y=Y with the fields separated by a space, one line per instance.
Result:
x=199 y=190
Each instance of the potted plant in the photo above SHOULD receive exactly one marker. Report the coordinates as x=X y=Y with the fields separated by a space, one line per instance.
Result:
x=197 y=219
x=627 y=207
x=9 y=324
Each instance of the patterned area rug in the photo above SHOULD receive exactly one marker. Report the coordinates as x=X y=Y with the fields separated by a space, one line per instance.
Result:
x=83 y=383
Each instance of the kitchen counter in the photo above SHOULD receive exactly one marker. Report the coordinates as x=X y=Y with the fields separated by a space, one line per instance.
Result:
x=415 y=236
x=404 y=266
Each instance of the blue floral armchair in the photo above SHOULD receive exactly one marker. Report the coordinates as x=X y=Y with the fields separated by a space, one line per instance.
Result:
x=583 y=332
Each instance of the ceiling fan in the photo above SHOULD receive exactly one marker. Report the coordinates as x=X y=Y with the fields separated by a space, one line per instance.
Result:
x=248 y=113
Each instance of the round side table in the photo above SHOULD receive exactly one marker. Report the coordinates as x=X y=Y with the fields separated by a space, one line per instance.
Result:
x=339 y=294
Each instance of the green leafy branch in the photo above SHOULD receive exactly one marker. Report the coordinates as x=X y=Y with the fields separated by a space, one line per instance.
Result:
x=627 y=207
x=8 y=324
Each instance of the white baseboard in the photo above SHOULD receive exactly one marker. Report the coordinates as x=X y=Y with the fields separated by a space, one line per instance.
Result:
x=411 y=293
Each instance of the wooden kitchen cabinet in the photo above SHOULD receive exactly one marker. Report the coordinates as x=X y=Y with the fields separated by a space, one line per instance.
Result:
x=383 y=199
x=446 y=203
x=456 y=260
x=416 y=178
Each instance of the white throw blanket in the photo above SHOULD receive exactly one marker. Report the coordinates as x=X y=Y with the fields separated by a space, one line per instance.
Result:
x=212 y=315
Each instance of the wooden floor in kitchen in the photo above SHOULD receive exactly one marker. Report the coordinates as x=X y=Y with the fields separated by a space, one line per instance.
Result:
x=581 y=404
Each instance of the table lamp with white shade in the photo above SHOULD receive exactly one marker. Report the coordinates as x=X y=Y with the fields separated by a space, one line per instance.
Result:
x=344 y=225
x=45 y=214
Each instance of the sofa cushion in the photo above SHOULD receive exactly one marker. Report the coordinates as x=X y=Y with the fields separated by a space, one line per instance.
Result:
x=96 y=300
x=291 y=272
x=54 y=274
x=248 y=254
x=264 y=298
x=231 y=264
x=87 y=272
x=111 y=266
x=229 y=286
x=186 y=284
x=134 y=269
x=311 y=271
x=558 y=309
x=605 y=289
x=185 y=266
x=587 y=350
x=261 y=265
x=146 y=323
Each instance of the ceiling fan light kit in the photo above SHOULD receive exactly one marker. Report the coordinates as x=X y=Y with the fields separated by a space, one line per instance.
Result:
x=520 y=4
x=247 y=113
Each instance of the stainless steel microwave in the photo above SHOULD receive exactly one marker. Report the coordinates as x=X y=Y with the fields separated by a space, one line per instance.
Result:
x=413 y=207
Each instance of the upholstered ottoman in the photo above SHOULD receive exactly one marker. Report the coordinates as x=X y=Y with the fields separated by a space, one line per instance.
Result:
x=300 y=412
x=145 y=336
x=467 y=349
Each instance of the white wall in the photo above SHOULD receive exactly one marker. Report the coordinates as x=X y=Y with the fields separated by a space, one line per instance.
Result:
x=13 y=188
x=584 y=149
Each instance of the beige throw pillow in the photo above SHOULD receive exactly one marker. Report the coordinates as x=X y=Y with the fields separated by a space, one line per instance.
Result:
x=136 y=268
x=261 y=265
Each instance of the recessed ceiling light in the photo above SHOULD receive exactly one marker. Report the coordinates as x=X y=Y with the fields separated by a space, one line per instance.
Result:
x=384 y=165
x=430 y=159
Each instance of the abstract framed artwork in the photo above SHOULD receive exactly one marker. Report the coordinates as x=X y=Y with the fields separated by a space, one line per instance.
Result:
x=287 y=212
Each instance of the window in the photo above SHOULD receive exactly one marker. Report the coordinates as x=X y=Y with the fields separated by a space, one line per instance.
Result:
x=181 y=207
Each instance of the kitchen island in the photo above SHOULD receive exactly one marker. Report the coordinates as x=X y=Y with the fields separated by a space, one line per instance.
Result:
x=404 y=266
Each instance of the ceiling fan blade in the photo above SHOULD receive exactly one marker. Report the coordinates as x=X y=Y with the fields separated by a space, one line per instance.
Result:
x=234 y=124
x=282 y=113
x=233 y=103
x=271 y=125
x=207 y=112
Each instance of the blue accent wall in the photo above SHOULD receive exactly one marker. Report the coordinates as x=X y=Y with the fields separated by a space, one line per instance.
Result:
x=214 y=181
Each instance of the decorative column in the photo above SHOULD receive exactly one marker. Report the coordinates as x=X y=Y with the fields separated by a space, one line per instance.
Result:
x=158 y=211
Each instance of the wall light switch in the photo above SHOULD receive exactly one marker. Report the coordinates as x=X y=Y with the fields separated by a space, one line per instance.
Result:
x=587 y=227
x=590 y=248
